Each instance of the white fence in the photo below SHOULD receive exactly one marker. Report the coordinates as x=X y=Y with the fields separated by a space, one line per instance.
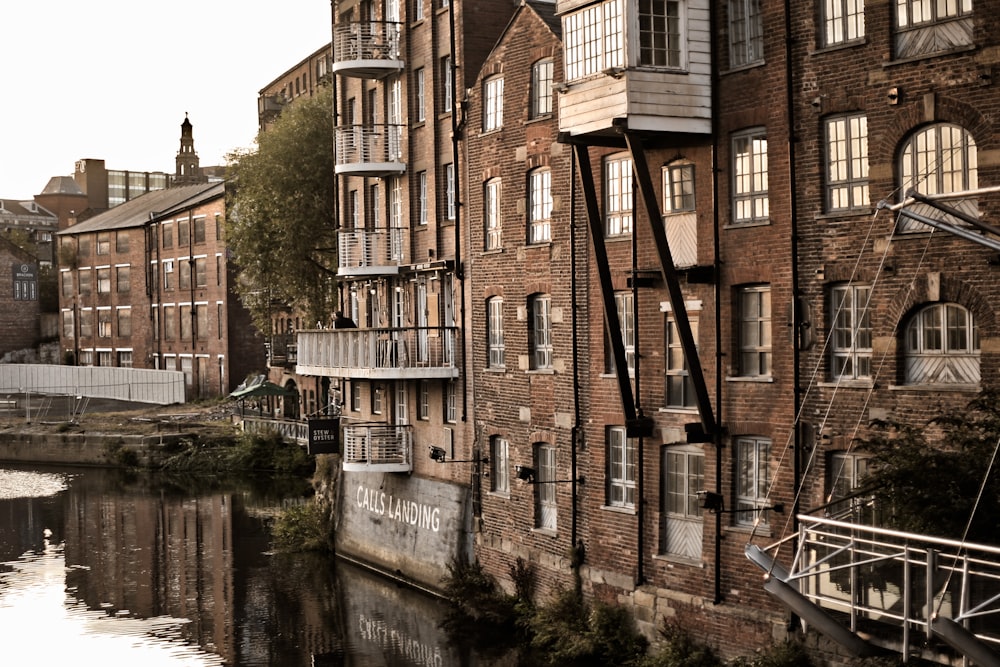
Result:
x=124 y=384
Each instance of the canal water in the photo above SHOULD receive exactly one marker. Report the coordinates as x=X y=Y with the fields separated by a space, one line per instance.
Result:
x=101 y=567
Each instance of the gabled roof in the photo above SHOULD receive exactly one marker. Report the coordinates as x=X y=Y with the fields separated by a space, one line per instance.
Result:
x=25 y=209
x=150 y=206
x=547 y=12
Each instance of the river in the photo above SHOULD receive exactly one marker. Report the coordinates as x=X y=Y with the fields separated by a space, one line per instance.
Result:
x=103 y=567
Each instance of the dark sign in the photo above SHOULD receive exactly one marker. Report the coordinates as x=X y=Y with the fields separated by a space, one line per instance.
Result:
x=25 y=282
x=324 y=436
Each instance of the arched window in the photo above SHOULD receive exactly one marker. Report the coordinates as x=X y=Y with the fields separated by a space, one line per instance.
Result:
x=939 y=159
x=942 y=346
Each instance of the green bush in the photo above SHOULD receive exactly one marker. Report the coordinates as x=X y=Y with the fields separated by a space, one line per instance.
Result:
x=301 y=528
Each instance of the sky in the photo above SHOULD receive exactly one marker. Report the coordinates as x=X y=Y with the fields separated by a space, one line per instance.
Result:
x=112 y=80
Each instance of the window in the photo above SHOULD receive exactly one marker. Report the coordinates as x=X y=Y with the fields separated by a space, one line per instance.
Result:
x=418 y=10
x=679 y=385
x=199 y=229
x=124 y=324
x=83 y=278
x=125 y=359
x=66 y=281
x=355 y=209
x=541 y=88
x=753 y=479
x=183 y=233
x=916 y=12
x=86 y=358
x=185 y=322
x=750 y=178
x=493 y=233
x=184 y=273
x=422 y=198
x=845 y=474
x=104 y=243
x=847 y=162
x=621 y=468
x=942 y=346
x=121 y=242
x=540 y=332
x=168 y=274
x=219 y=320
x=939 y=159
x=424 y=400
x=493 y=104
x=617 y=196
x=660 y=33
x=84 y=246
x=421 y=96
x=624 y=303
x=499 y=465
x=168 y=235
x=378 y=399
x=540 y=206
x=678 y=188
x=355 y=397
x=123 y=276
x=449 y=192
x=201 y=315
x=494 y=323
x=169 y=323
x=545 y=491
x=843 y=21
x=851 y=335
x=451 y=401
x=746 y=33
x=373 y=214
x=218 y=227
x=754 y=304
x=104 y=280
x=104 y=323
x=594 y=39
x=104 y=358
x=447 y=98
x=683 y=478
x=68 y=327
x=86 y=323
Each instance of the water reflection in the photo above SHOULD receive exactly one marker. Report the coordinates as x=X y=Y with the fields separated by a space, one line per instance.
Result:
x=100 y=568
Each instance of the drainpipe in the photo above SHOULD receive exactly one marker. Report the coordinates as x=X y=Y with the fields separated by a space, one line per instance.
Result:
x=640 y=545
x=577 y=549
x=456 y=131
x=717 y=261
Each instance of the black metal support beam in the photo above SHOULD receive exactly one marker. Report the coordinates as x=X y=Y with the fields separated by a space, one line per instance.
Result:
x=612 y=324
x=672 y=280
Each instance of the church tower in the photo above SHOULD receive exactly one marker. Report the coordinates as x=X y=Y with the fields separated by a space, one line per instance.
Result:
x=187 y=170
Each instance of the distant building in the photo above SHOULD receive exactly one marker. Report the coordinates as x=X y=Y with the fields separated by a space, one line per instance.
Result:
x=301 y=79
x=18 y=298
x=36 y=222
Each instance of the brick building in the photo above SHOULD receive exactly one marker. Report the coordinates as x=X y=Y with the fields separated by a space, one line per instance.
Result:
x=301 y=79
x=18 y=298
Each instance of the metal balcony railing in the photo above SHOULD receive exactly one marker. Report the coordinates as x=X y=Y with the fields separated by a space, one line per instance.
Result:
x=364 y=45
x=378 y=447
x=892 y=584
x=370 y=149
x=367 y=251
x=289 y=429
x=383 y=353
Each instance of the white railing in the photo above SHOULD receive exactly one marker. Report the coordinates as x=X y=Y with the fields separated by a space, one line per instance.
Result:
x=370 y=248
x=376 y=349
x=378 y=446
x=878 y=577
x=125 y=384
x=289 y=430
x=366 y=40
x=369 y=144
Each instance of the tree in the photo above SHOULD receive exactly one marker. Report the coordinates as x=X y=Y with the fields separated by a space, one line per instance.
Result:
x=280 y=226
x=928 y=479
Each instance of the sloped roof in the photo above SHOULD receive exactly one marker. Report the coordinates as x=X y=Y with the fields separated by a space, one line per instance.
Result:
x=24 y=209
x=547 y=12
x=62 y=185
x=152 y=205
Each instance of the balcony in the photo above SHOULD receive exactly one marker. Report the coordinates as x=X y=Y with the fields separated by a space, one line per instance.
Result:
x=281 y=351
x=367 y=49
x=375 y=150
x=377 y=448
x=367 y=252
x=411 y=353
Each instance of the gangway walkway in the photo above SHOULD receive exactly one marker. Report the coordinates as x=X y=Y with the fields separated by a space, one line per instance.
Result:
x=868 y=588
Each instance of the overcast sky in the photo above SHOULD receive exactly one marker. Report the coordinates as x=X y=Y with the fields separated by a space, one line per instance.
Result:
x=112 y=79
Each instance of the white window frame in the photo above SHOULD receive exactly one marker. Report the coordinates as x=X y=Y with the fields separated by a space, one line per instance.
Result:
x=843 y=21
x=546 y=507
x=499 y=465
x=622 y=467
x=494 y=319
x=847 y=162
x=618 y=196
x=750 y=198
x=422 y=198
x=492 y=217
x=850 y=332
x=449 y=192
x=447 y=96
x=755 y=331
x=493 y=104
x=541 y=88
x=936 y=145
x=911 y=13
x=746 y=33
x=942 y=346
x=424 y=400
x=421 y=96
x=540 y=205
x=678 y=377
x=660 y=33
x=540 y=312
x=753 y=480
x=451 y=401
x=683 y=483
x=594 y=39
x=624 y=306
x=678 y=188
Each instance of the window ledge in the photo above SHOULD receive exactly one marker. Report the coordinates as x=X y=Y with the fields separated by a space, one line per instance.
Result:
x=846 y=384
x=765 y=379
x=932 y=54
x=497 y=370
x=676 y=559
x=538 y=244
x=619 y=509
x=539 y=118
x=492 y=130
x=839 y=46
x=540 y=371
x=493 y=251
x=746 y=225
x=547 y=532
x=834 y=216
x=957 y=388
x=499 y=494
x=677 y=409
x=743 y=68
x=763 y=530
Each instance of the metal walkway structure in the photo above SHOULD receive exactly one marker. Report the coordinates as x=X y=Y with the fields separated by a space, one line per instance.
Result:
x=873 y=589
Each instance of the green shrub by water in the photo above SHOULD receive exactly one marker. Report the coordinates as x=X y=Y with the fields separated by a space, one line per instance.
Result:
x=302 y=528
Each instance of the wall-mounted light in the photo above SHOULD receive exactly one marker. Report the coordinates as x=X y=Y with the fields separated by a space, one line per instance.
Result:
x=441 y=456
x=527 y=474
